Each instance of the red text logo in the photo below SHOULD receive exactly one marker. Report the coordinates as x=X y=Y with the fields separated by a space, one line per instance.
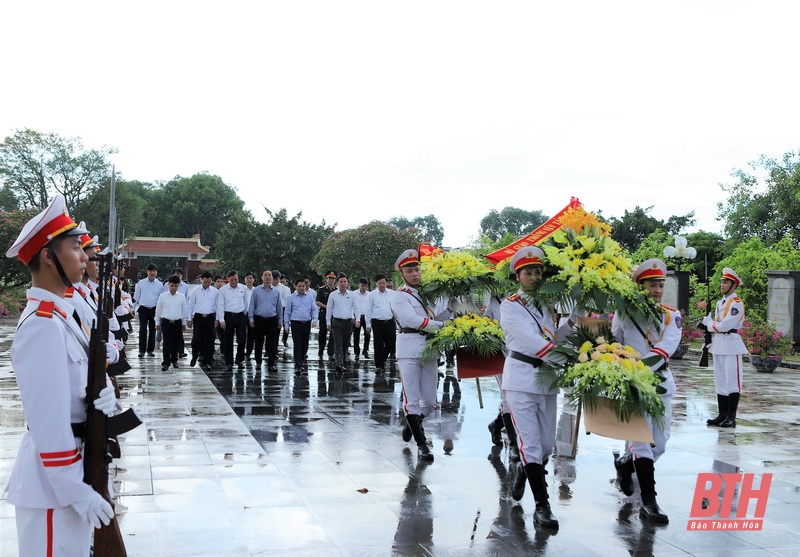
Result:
x=707 y=502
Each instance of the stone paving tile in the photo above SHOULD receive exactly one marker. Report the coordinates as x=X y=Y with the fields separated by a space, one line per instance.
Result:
x=259 y=463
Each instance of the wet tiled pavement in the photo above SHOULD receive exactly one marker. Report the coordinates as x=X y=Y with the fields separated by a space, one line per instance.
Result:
x=260 y=463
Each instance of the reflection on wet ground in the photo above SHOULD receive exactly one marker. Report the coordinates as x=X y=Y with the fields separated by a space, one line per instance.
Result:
x=270 y=463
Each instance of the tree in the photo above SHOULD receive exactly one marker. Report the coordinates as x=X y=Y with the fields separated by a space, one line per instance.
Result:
x=132 y=201
x=283 y=243
x=768 y=208
x=429 y=226
x=35 y=166
x=750 y=259
x=202 y=204
x=12 y=272
x=365 y=251
x=636 y=225
x=511 y=220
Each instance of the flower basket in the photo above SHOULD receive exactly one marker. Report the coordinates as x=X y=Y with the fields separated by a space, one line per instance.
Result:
x=765 y=365
x=456 y=273
x=470 y=364
x=604 y=373
x=471 y=332
x=601 y=419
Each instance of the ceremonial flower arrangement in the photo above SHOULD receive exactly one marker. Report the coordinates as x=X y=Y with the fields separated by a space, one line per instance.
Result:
x=597 y=367
x=762 y=338
x=590 y=269
x=475 y=333
x=455 y=273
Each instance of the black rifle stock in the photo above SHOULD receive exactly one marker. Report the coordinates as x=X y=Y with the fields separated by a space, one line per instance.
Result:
x=108 y=540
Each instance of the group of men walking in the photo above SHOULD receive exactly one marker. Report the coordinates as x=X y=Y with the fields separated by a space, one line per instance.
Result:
x=249 y=321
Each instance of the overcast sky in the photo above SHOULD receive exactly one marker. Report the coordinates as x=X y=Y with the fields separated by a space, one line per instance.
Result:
x=357 y=111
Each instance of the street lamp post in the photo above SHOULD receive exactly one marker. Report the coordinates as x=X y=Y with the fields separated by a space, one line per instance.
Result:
x=680 y=252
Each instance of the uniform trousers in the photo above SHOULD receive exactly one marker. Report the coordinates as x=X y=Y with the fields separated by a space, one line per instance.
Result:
x=357 y=336
x=660 y=434
x=341 y=329
x=58 y=532
x=534 y=418
x=728 y=373
x=203 y=338
x=503 y=403
x=419 y=385
x=147 y=329
x=265 y=329
x=173 y=332
x=322 y=339
x=382 y=333
x=301 y=333
x=235 y=328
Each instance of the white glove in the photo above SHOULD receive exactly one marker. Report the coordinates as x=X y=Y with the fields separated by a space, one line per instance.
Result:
x=112 y=352
x=707 y=321
x=106 y=400
x=94 y=509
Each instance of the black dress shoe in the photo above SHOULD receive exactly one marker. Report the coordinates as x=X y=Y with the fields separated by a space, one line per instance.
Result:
x=207 y=367
x=165 y=367
x=141 y=354
x=182 y=355
x=151 y=354
x=193 y=362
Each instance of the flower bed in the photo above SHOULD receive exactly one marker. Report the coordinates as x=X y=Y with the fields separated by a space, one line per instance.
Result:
x=762 y=338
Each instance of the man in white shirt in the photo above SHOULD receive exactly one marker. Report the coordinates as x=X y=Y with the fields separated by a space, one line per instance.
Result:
x=171 y=315
x=202 y=321
x=380 y=322
x=362 y=301
x=183 y=288
x=340 y=316
x=279 y=282
x=147 y=292
x=232 y=317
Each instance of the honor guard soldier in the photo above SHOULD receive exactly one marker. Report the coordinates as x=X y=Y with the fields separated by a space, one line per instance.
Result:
x=649 y=341
x=415 y=315
x=530 y=333
x=325 y=336
x=727 y=347
x=55 y=510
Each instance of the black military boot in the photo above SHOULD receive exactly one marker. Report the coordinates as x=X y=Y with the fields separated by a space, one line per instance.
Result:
x=407 y=432
x=625 y=470
x=645 y=471
x=542 y=515
x=518 y=485
x=722 y=401
x=496 y=429
x=415 y=423
x=513 y=448
x=733 y=405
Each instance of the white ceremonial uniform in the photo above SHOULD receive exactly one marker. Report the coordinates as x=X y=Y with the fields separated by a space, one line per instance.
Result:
x=661 y=343
x=728 y=347
x=48 y=473
x=419 y=380
x=533 y=405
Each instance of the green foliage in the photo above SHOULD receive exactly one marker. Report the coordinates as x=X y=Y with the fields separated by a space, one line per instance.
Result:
x=202 y=204
x=365 y=251
x=510 y=221
x=634 y=226
x=132 y=202
x=12 y=272
x=750 y=259
x=284 y=243
x=12 y=301
x=35 y=166
x=430 y=228
x=764 y=203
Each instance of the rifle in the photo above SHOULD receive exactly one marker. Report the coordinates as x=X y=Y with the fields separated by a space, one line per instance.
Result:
x=107 y=539
x=706 y=333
